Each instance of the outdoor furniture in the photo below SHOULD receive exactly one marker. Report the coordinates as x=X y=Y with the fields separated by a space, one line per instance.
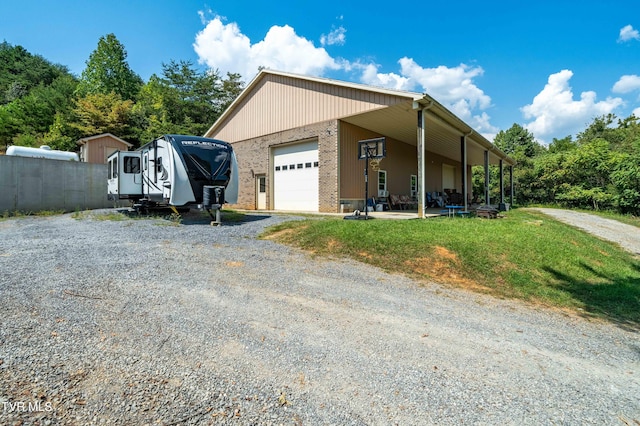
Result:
x=394 y=202
x=397 y=202
x=431 y=202
x=455 y=198
x=487 y=212
x=438 y=199
x=408 y=201
x=451 y=210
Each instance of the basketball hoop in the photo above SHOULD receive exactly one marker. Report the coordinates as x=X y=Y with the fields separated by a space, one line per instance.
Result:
x=372 y=151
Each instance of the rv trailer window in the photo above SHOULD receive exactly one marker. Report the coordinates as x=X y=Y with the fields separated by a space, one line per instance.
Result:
x=109 y=166
x=207 y=161
x=132 y=165
x=115 y=167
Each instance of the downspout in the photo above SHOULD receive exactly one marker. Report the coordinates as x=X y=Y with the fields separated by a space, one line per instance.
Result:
x=465 y=176
x=487 y=199
x=511 y=184
x=501 y=166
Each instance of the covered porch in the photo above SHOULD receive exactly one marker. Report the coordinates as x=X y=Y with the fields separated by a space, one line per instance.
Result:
x=446 y=148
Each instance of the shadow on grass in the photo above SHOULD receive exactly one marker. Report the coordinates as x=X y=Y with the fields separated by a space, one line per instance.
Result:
x=234 y=219
x=614 y=298
x=193 y=217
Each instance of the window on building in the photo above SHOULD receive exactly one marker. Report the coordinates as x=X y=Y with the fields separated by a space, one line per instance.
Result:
x=414 y=185
x=382 y=181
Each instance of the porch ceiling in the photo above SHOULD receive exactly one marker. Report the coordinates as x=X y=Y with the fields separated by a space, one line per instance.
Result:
x=400 y=122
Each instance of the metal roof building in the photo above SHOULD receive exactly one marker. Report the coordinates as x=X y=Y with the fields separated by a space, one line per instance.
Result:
x=296 y=138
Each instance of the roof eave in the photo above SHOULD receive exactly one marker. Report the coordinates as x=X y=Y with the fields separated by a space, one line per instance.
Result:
x=82 y=141
x=409 y=95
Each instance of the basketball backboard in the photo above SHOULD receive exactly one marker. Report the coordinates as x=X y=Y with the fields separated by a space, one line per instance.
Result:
x=372 y=148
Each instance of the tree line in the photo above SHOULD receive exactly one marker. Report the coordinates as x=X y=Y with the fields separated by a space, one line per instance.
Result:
x=44 y=104
x=599 y=170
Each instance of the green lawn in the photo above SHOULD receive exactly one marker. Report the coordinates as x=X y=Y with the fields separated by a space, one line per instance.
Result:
x=524 y=255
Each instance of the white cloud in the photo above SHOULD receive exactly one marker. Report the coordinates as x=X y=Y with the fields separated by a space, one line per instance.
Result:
x=224 y=47
x=448 y=85
x=626 y=84
x=628 y=33
x=636 y=112
x=372 y=77
x=555 y=113
x=453 y=87
x=335 y=37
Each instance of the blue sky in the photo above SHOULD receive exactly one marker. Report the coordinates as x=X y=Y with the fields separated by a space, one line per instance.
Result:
x=551 y=66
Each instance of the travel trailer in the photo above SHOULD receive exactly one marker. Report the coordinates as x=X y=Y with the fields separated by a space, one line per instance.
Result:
x=175 y=171
x=43 y=152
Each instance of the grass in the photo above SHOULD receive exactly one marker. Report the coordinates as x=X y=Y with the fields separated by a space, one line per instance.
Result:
x=111 y=216
x=525 y=255
x=167 y=218
x=7 y=214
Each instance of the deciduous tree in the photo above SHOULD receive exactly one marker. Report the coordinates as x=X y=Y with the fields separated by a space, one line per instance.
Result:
x=107 y=71
x=104 y=113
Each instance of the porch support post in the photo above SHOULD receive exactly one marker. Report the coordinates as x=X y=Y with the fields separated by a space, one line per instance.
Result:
x=487 y=201
x=463 y=161
x=421 y=162
x=501 y=182
x=511 y=185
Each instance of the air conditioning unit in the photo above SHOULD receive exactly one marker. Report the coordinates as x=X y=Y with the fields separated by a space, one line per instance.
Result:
x=383 y=193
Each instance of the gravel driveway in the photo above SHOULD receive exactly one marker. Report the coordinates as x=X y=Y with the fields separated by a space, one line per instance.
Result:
x=141 y=322
x=627 y=236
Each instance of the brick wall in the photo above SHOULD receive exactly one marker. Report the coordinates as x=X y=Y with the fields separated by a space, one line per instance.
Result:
x=254 y=158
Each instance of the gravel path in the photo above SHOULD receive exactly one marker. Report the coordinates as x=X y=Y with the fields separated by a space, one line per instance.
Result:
x=141 y=322
x=627 y=236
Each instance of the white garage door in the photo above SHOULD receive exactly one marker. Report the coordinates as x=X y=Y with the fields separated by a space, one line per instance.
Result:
x=295 y=177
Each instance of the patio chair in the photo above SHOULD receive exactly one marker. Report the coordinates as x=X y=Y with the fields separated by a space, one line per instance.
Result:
x=408 y=201
x=395 y=202
x=431 y=202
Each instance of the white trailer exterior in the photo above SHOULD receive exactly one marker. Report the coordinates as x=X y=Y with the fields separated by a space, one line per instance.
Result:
x=175 y=171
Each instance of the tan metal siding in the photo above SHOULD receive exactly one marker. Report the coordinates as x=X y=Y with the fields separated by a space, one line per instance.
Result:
x=400 y=164
x=279 y=103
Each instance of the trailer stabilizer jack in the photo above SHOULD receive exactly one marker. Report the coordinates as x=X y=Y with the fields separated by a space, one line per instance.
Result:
x=217 y=220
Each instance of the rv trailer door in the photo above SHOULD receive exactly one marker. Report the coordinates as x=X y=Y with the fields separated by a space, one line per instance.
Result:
x=124 y=178
x=112 y=177
x=130 y=174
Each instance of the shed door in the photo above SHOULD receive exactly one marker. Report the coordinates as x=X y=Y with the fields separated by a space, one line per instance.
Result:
x=448 y=177
x=295 y=177
x=261 y=192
